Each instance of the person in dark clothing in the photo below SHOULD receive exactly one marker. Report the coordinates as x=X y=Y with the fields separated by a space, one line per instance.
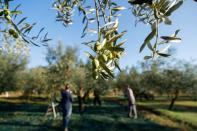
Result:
x=97 y=98
x=66 y=103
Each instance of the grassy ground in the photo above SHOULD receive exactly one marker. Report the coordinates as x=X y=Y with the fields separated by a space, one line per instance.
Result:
x=183 y=111
x=22 y=115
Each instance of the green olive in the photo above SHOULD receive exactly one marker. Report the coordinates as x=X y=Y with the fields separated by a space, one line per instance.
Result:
x=97 y=46
x=95 y=63
x=1 y=13
x=118 y=55
x=15 y=35
x=111 y=44
x=95 y=74
x=11 y=31
x=110 y=55
x=104 y=57
x=8 y=18
x=6 y=12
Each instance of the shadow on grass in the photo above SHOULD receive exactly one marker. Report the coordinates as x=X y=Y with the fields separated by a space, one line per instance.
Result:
x=109 y=117
x=94 y=124
x=179 y=108
x=27 y=125
x=23 y=107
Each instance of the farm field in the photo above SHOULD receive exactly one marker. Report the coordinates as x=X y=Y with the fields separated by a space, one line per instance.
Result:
x=18 y=114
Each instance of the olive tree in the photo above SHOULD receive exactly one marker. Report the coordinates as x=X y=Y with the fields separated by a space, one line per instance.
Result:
x=13 y=59
x=173 y=84
x=82 y=87
x=35 y=81
x=61 y=65
x=151 y=76
x=190 y=73
x=103 y=16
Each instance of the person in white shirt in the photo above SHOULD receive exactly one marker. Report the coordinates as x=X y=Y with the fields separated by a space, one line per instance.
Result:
x=128 y=92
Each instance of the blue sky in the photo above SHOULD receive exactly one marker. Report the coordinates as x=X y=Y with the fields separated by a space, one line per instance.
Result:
x=184 y=19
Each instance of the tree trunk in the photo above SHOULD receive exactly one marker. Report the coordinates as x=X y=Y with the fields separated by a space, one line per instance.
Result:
x=80 y=103
x=86 y=96
x=80 y=95
x=195 y=96
x=173 y=101
x=97 y=100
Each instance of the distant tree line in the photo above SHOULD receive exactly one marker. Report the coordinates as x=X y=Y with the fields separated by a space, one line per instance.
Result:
x=172 y=78
x=149 y=79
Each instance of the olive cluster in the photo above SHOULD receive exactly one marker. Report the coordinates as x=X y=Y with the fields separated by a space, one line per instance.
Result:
x=65 y=10
x=108 y=52
x=6 y=14
x=13 y=33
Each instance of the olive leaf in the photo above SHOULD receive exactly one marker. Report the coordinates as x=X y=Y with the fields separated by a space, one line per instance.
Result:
x=176 y=32
x=121 y=43
x=171 y=39
x=118 y=8
x=89 y=55
x=167 y=21
x=106 y=69
x=164 y=55
x=104 y=76
x=21 y=21
x=147 y=57
x=117 y=49
x=147 y=40
x=117 y=65
x=114 y=38
x=174 y=7
x=150 y=46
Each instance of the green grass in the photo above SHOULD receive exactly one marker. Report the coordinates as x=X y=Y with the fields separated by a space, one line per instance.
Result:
x=186 y=117
x=21 y=115
x=183 y=111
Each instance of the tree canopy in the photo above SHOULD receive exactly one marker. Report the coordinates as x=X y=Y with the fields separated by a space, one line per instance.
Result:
x=100 y=17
